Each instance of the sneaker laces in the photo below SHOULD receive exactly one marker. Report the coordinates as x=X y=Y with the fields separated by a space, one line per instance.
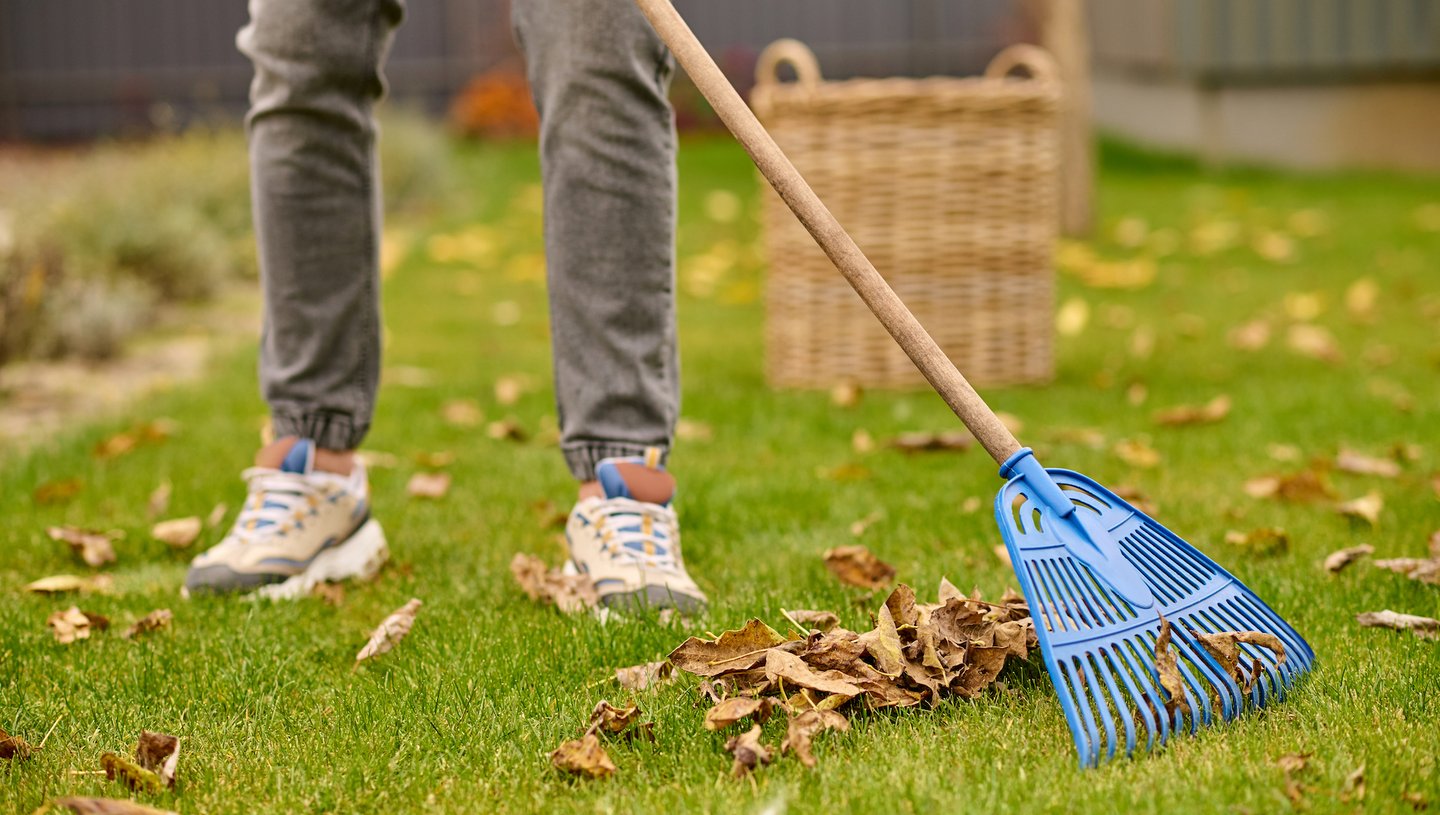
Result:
x=275 y=499
x=630 y=529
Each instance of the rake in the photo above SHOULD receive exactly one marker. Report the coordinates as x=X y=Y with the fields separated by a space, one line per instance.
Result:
x=1112 y=591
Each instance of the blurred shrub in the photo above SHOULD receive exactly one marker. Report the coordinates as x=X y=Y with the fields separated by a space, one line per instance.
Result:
x=495 y=104
x=92 y=245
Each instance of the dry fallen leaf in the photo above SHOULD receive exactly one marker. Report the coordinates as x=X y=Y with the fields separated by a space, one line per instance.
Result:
x=159 y=500
x=1213 y=411
x=390 y=631
x=93 y=547
x=1301 y=487
x=818 y=620
x=55 y=492
x=693 y=430
x=861 y=441
x=217 y=515
x=1137 y=453
x=61 y=583
x=954 y=440
x=737 y=650
x=1416 y=800
x=178 y=533
x=856 y=565
x=131 y=774
x=509 y=389
x=73 y=624
x=646 y=675
x=1352 y=462
x=1424 y=570
x=428 y=485
x=583 y=756
x=736 y=708
x=1354 y=788
x=570 y=593
x=805 y=727
x=435 y=460
x=1426 y=628
x=1283 y=452
x=1002 y=553
x=331 y=594
x=1224 y=646
x=1344 y=557
x=462 y=413
x=748 y=751
x=846 y=394
x=1366 y=508
x=159 y=753
x=13 y=747
x=1167 y=664
x=1263 y=541
x=154 y=621
x=506 y=430
x=1072 y=317
x=107 y=806
x=1315 y=342
x=608 y=719
x=1251 y=336
x=1293 y=762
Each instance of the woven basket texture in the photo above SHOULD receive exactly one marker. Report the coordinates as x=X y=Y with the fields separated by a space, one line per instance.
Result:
x=949 y=185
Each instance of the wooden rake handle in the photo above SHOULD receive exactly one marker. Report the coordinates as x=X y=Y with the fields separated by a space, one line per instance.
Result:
x=837 y=243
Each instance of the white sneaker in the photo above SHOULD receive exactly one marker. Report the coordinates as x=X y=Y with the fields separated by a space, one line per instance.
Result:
x=299 y=527
x=628 y=542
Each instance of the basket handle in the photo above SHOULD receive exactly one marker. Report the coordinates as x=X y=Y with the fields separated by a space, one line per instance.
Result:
x=1035 y=60
x=837 y=243
x=792 y=52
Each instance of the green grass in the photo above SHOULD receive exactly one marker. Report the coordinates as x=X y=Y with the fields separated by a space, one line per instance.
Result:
x=460 y=716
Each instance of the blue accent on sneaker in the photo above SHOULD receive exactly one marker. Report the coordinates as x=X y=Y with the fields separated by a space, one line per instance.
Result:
x=610 y=480
x=299 y=458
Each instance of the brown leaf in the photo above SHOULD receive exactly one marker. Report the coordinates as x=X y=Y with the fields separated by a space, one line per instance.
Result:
x=571 y=593
x=748 y=751
x=731 y=652
x=1224 y=647
x=861 y=441
x=793 y=670
x=1293 y=762
x=803 y=729
x=160 y=754
x=178 y=533
x=1315 y=342
x=608 y=719
x=107 y=806
x=646 y=675
x=331 y=594
x=92 y=546
x=1167 y=664
x=1366 y=508
x=132 y=775
x=856 y=565
x=1424 y=570
x=1137 y=453
x=1263 y=541
x=1425 y=628
x=1354 y=788
x=509 y=388
x=428 y=485
x=1301 y=487
x=736 y=708
x=846 y=394
x=883 y=644
x=858 y=528
x=1352 y=462
x=1416 y=800
x=462 y=413
x=61 y=583
x=1251 y=336
x=983 y=664
x=435 y=460
x=819 y=620
x=693 y=430
x=159 y=500
x=55 y=492
x=13 y=747
x=951 y=440
x=73 y=624
x=1213 y=411
x=506 y=430
x=390 y=631
x=583 y=756
x=1344 y=557
x=217 y=515
x=154 y=621
x=152 y=432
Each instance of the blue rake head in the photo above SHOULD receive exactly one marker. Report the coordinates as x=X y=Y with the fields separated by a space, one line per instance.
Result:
x=1098 y=575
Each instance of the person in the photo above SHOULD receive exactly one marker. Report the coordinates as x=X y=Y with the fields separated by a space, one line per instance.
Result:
x=599 y=77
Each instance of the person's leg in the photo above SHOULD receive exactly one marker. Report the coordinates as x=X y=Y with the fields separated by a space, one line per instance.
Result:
x=315 y=198
x=607 y=150
x=315 y=195
x=599 y=75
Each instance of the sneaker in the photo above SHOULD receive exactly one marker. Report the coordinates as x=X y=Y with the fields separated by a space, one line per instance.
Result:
x=299 y=527
x=629 y=541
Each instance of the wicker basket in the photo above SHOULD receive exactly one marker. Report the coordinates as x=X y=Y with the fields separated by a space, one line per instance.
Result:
x=948 y=185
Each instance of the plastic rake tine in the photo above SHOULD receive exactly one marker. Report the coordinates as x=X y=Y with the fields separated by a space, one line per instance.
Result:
x=1097 y=572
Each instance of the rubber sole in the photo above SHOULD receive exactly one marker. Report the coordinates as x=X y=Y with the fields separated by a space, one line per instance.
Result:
x=360 y=557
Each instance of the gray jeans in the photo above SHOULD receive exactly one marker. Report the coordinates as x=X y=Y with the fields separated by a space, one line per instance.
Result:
x=599 y=76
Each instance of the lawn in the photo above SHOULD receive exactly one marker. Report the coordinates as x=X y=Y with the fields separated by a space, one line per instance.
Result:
x=460 y=716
